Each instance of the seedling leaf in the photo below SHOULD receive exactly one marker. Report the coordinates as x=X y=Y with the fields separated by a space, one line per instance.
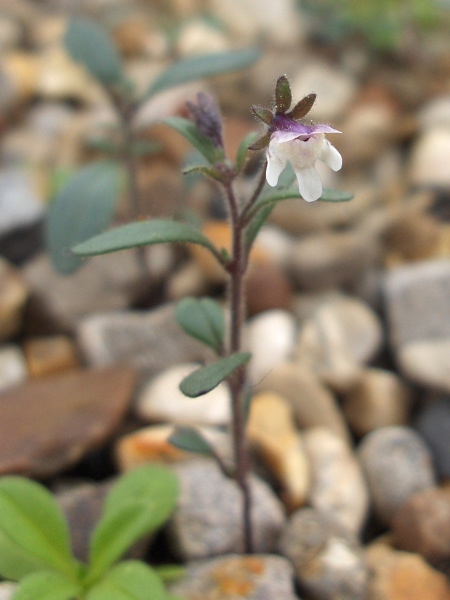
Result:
x=130 y=580
x=203 y=320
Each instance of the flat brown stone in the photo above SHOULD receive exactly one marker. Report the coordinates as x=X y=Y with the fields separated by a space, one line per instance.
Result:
x=47 y=425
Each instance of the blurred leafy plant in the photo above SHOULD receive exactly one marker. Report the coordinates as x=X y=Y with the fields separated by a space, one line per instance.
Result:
x=87 y=202
x=35 y=544
x=382 y=23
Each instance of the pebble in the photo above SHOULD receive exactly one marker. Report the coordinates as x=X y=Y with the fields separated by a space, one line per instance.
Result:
x=427 y=164
x=279 y=24
x=276 y=242
x=312 y=403
x=13 y=368
x=433 y=424
x=14 y=293
x=50 y=355
x=273 y=434
x=419 y=321
x=10 y=33
x=397 y=464
x=435 y=113
x=149 y=340
x=422 y=525
x=162 y=400
x=267 y=288
x=277 y=326
x=147 y=445
x=378 y=398
x=208 y=517
x=20 y=72
x=413 y=236
x=104 y=283
x=399 y=575
x=343 y=334
x=198 y=37
x=334 y=87
x=7 y=590
x=49 y=424
x=328 y=563
x=235 y=577
x=333 y=259
x=338 y=488
x=20 y=204
x=82 y=506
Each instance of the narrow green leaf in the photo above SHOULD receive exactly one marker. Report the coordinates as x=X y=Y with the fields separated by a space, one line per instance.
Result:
x=257 y=222
x=155 y=484
x=84 y=207
x=203 y=320
x=208 y=171
x=189 y=130
x=244 y=146
x=47 y=585
x=329 y=195
x=33 y=533
x=207 y=378
x=130 y=580
x=189 y=439
x=169 y=573
x=142 y=233
x=205 y=65
x=90 y=44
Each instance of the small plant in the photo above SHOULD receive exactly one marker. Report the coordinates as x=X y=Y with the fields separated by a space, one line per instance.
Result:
x=35 y=544
x=289 y=139
x=86 y=204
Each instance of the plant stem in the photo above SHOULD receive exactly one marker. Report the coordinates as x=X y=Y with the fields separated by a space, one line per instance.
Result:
x=246 y=213
x=237 y=381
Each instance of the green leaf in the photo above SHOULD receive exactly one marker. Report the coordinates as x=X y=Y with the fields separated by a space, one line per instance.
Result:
x=84 y=207
x=208 y=171
x=198 y=67
x=33 y=532
x=139 y=503
x=155 y=484
x=263 y=114
x=207 y=378
x=130 y=580
x=189 y=130
x=47 y=585
x=202 y=319
x=329 y=195
x=169 y=573
x=257 y=222
x=154 y=231
x=303 y=107
x=90 y=44
x=188 y=438
x=244 y=146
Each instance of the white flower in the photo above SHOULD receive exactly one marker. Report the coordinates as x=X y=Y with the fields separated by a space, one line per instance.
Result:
x=302 y=146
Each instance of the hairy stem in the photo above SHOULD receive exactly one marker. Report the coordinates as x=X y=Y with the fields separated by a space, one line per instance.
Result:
x=238 y=380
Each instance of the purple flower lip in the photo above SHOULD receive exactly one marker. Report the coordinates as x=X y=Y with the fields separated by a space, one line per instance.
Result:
x=283 y=123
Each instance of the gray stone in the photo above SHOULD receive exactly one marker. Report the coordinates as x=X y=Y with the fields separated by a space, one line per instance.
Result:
x=419 y=321
x=397 y=464
x=328 y=563
x=208 y=517
x=236 y=577
x=151 y=341
x=433 y=424
x=338 y=488
x=19 y=203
